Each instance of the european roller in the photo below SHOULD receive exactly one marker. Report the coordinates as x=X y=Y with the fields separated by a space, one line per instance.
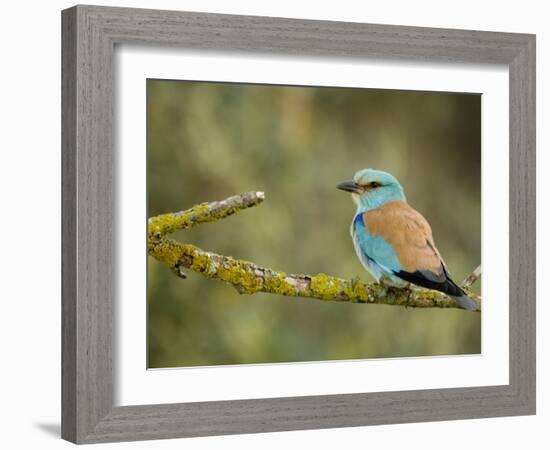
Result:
x=394 y=241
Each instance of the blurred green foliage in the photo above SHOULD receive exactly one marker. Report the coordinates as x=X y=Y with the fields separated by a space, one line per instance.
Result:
x=207 y=141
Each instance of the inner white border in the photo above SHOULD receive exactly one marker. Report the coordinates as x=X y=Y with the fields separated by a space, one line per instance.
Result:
x=136 y=385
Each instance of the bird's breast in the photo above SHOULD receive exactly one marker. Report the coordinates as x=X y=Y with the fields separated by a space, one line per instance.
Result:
x=356 y=231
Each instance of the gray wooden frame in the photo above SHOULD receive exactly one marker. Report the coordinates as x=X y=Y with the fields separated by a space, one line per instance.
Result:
x=90 y=34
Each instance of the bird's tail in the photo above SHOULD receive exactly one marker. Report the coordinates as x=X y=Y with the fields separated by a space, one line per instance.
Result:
x=465 y=302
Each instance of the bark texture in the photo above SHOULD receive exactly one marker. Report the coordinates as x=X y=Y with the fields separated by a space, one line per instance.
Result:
x=249 y=278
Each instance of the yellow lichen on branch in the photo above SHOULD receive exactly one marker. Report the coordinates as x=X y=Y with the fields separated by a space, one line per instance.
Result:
x=249 y=278
x=160 y=226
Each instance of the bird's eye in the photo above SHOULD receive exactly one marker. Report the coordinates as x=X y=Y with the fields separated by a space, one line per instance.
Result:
x=374 y=184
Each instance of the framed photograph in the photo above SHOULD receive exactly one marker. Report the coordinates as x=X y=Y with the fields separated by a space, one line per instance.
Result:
x=278 y=224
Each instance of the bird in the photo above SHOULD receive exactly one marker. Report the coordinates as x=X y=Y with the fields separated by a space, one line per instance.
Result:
x=393 y=241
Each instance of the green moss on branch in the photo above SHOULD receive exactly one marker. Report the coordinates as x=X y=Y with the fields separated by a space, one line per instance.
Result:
x=248 y=278
x=160 y=226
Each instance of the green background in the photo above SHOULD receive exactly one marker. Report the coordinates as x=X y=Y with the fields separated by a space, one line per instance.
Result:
x=207 y=141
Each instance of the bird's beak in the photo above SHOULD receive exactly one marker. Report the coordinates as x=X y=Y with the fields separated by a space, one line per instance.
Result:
x=349 y=186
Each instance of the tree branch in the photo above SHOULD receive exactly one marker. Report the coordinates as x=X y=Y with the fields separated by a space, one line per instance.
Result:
x=472 y=278
x=249 y=278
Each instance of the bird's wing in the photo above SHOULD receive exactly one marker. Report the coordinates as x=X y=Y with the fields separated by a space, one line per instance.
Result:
x=409 y=235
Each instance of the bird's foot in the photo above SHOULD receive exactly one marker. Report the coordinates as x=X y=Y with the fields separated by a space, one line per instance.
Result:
x=386 y=283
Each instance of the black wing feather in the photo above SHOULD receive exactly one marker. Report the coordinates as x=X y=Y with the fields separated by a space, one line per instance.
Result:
x=439 y=282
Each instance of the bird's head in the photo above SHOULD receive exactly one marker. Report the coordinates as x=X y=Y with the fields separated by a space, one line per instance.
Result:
x=372 y=188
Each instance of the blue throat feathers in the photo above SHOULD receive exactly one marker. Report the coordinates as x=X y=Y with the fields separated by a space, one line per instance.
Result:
x=383 y=195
